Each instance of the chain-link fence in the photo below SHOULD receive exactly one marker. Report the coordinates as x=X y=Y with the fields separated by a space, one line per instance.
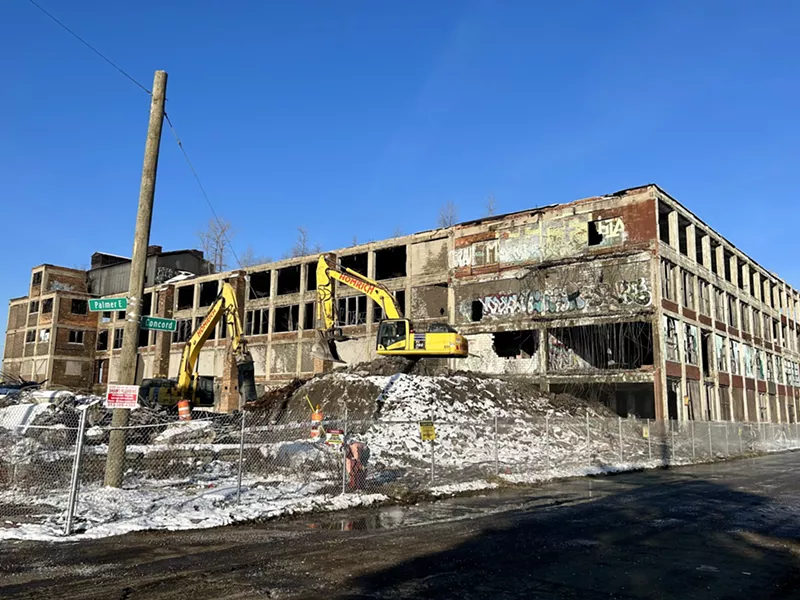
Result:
x=216 y=469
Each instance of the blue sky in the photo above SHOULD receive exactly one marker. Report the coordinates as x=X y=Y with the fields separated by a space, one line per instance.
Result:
x=361 y=118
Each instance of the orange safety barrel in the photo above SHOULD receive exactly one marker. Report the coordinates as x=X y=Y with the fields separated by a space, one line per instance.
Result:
x=316 y=420
x=184 y=410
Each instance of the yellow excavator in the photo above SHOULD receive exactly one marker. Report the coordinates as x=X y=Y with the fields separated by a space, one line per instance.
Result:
x=189 y=385
x=396 y=335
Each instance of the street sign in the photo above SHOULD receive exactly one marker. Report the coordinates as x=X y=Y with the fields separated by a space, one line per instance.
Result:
x=427 y=431
x=334 y=437
x=159 y=324
x=122 y=396
x=646 y=431
x=106 y=304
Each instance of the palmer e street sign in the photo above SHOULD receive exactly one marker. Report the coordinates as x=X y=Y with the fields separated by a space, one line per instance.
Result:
x=105 y=304
x=159 y=324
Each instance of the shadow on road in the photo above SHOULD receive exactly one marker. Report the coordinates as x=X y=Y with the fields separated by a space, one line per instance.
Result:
x=690 y=538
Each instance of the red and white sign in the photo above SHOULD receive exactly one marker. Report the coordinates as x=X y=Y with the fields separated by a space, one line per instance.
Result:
x=122 y=396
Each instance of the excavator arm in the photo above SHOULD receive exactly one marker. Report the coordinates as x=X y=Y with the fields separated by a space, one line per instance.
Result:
x=224 y=307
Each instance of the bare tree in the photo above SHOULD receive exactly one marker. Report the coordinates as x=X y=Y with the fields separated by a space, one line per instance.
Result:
x=300 y=247
x=355 y=241
x=491 y=206
x=249 y=258
x=398 y=232
x=214 y=243
x=448 y=215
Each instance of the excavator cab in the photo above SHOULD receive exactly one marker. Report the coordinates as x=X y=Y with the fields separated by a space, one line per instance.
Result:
x=393 y=334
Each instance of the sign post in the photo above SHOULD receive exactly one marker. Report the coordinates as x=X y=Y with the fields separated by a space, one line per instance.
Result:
x=427 y=431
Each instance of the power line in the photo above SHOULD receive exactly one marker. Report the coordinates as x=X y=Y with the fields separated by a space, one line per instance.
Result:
x=88 y=45
x=202 y=189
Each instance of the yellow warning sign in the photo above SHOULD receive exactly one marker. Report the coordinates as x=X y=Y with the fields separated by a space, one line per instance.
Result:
x=645 y=431
x=427 y=431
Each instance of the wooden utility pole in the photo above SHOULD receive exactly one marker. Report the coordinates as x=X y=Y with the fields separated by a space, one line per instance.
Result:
x=126 y=374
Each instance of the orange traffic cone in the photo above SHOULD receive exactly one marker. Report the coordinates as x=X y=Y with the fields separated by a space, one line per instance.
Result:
x=184 y=410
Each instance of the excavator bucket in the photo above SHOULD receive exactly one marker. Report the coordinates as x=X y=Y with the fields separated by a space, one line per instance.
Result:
x=324 y=347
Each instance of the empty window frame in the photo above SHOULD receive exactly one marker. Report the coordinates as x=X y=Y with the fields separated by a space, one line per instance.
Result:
x=118 y=333
x=105 y=316
x=287 y=318
x=721 y=353
x=352 y=310
x=400 y=297
x=144 y=338
x=671 y=339
x=183 y=331
x=668 y=280
x=688 y=290
x=704 y=291
x=714 y=266
x=749 y=360
x=260 y=283
x=309 y=315
x=356 y=262
x=390 y=262
x=288 y=280
x=311 y=276
x=690 y=344
x=30 y=336
x=120 y=315
x=47 y=306
x=734 y=356
x=698 y=246
x=213 y=334
x=147 y=304
x=75 y=336
x=719 y=305
x=683 y=231
x=727 y=256
x=256 y=322
x=184 y=298
x=102 y=339
x=745 y=312
x=79 y=307
x=37 y=278
x=208 y=293
x=33 y=307
x=733 y=310
x=663 y=222
x=44 y=336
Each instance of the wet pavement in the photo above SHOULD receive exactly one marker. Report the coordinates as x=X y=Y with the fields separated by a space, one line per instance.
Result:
x=727 y=530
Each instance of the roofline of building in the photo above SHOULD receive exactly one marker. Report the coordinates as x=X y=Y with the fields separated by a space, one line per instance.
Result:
x=52 y=266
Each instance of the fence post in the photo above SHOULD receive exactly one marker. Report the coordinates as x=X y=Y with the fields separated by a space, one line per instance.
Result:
x=649 y=442
x=547 y=440
x=344 y=454
x=496 y=459
x=241 y=462
x=76 y=468
x=588 y=430
x=727 y=445
x=739 y=432
x=694 y=455
x=619 y=427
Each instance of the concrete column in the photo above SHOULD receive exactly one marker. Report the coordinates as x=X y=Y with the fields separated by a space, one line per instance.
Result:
x=674 y=236
x=746 y=277
x=706 y=243
x=229 y=389
x=720 y=261
x=163 y=303
x=691 y=245
x=544 y=357
x=734 y=267
x=756 y=291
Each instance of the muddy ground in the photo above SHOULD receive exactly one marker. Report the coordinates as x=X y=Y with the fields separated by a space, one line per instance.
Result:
x=728 y=530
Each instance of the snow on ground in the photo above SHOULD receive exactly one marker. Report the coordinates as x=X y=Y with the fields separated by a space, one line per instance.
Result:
x=104 y=512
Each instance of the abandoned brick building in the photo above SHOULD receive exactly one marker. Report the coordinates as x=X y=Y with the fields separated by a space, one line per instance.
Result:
x=628 y=298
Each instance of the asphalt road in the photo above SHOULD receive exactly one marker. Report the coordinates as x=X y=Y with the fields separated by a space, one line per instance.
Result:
x=730 y=530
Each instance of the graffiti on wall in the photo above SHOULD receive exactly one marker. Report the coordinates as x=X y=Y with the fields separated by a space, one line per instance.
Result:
x=612 y=231
x=54 y=286
x=164 y=273
x=562 y=358
x=625 y=293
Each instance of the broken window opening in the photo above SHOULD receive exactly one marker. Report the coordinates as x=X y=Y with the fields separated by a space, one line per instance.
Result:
x=105 y=317
x=183 y=331
x=75 y=336
x=668 y=280
x=745 y=316
x=721 y=353
x=714 y=246
x=259 y=285
x=185 y=297
x=287 y=318
x=309 y=316
x=147 y=304
x=47 y=306
x=311 y=277
x=727 y=255
x=118 y=334
x=352 y=310
x=719 y=305
x=102 y=339
x=516 y=344
x=208 y=293
x=741 y=282
x=33 y=307
x=705 y=351
x=37 y=278
x=79 y=307
x=288 y=280
x=671 y=338
x=690 y=344
x=476 y=310
x=627 y=345
x=256 y=322
x=733 y=321
x=595 y=237
x=212 y=334
x=688 y=290
x=663 y=222
x=698 y=246
x=120 y=315
x=400 y=299
x=683 y=228
x=30 y=336
x=390 y=262
x=356 y=262
x=705 y=298
x=144 y=338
